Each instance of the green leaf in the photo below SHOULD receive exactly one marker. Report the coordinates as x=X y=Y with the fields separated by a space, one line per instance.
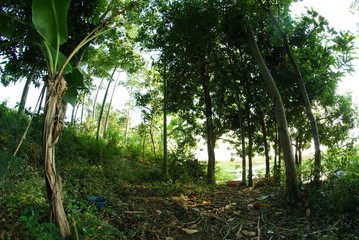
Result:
x=262 y=197
x=62 y=58
x=7 y=25
x=74 y=80
x=11 y=27
x=24 y=218
x=50 y=20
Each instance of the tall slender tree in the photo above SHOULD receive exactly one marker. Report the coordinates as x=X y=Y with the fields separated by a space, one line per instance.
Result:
x=284 y=138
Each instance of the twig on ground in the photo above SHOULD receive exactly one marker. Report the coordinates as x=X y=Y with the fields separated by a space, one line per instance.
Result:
x=239 y=230
x=258 y=228
x=230 y=229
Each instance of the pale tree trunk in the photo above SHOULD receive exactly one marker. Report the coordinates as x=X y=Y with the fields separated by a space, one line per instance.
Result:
x=25 y=92
x=95 y=100
x=284 y=137
x=109 y=107
x=53 y=125
x=307 y=103
x=73 y=113
x=165 y=160
x=128 y=116
x=103 y=105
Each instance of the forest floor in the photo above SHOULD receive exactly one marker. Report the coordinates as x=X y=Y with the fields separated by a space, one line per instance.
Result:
x=224 y=212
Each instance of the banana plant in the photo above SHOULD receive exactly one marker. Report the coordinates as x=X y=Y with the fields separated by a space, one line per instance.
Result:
x=48 y=30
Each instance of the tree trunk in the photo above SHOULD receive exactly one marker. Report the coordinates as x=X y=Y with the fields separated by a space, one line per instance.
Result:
x=276 y=140
x=128 y=116
x=42 y=99
x=244 y=167
x=152 y=137
x=73 y=113
x=95 y=100
x=250 y=142
x=284 y=137
x=109 y=107
x=307 y=103
x=165 y=160
x=52 y=128
x=83 y=108
x=103 y=105
x=143 y=146
x=266 y=149
x=300 y=155
x=25 y=92
x=209 y=133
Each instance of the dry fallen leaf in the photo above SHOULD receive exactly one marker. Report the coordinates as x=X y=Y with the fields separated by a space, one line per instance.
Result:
x=236 y=212
x=189 y=231
x=193 y=226
x=173 y=223
x=247 y=233
x=170 y=238
x=307 y=212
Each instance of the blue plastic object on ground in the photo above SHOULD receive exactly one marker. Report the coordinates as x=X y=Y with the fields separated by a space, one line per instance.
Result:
x=98 y=201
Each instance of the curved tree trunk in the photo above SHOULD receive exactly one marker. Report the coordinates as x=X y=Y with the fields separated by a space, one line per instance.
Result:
x=52 y=127
x=25 y=92
x=307 y=103
x=284 y=137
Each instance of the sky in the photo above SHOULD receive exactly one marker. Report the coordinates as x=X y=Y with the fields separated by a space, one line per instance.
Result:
x=335 y=11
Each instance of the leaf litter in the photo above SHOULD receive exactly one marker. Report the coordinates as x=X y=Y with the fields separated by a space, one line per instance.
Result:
x=224 y=213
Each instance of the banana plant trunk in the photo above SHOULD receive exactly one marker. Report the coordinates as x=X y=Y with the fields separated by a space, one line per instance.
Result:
x=53 y=125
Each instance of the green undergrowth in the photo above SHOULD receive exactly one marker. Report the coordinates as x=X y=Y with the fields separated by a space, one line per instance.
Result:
x=87 y=167
x=96 y=168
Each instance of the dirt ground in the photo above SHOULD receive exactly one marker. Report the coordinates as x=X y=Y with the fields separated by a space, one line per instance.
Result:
x=226 y=213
